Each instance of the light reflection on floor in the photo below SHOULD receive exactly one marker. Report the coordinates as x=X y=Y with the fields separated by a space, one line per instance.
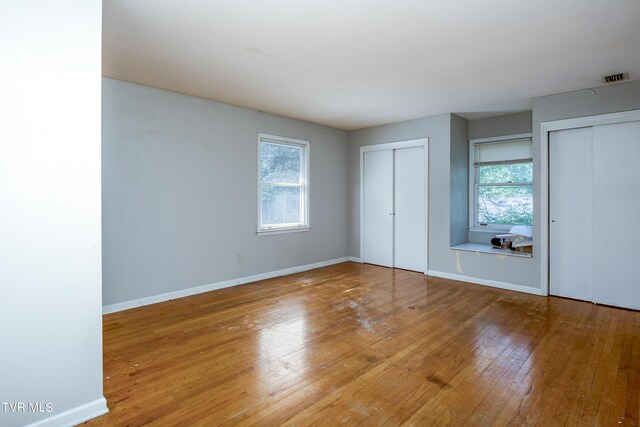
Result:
x=282 y=352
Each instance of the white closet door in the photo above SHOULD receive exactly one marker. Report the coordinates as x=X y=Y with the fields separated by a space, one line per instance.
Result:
x=409 y=236
x=570 y=207
x=378 y=208
x=616 y=210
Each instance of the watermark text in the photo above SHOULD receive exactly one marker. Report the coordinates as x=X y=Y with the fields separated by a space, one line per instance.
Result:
x=26 y=407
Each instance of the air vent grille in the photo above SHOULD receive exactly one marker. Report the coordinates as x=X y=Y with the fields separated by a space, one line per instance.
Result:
x=615 y=78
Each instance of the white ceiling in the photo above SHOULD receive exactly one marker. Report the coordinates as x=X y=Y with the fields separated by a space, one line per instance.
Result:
x=358 y=63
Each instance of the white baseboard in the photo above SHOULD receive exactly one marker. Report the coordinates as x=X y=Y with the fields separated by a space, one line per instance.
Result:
x=112 y=308
x=355 y=259
x=76 y=415
x=484 y=282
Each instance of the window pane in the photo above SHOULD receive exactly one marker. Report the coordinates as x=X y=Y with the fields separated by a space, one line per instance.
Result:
x=280 y=164
x=495 y=174
x=505 y=205
x=281 y=205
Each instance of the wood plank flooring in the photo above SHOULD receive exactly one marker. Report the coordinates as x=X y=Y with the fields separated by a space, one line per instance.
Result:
x=356 y=344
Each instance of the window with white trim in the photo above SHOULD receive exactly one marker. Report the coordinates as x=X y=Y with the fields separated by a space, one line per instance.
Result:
x=501 y=183
x=283 y=184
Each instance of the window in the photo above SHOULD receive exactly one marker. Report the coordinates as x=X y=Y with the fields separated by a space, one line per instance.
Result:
x=500 y=182
x=283 y=188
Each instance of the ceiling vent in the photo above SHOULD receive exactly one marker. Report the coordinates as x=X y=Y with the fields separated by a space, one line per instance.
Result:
x=615 y=78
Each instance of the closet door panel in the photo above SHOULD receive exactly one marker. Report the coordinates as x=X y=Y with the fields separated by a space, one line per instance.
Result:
x=616 y=209
x=409 y=236
x=570 y=207
x=378 y=208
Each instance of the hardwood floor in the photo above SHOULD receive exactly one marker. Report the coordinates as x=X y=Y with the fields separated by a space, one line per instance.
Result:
x=359 y=344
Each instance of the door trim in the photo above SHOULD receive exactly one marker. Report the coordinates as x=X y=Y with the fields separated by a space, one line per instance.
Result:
x=420 y=142
x=545 y=128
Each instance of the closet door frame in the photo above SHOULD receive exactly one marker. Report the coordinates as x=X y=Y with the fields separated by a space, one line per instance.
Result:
x=420 y=142
x=545 y=128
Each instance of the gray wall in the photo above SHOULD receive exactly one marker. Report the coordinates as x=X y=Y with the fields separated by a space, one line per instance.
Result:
x=180 y=193
x=441 y=131
x=459 y=198
x=509 y=124
x=606 y=99
x=180 y=200
x=50 y=276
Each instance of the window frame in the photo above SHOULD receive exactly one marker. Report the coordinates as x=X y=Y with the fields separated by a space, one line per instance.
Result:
x=474 y=173
x=304 y=185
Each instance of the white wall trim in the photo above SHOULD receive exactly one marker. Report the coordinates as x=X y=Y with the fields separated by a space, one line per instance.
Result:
x=501 y=138
x=76 y=415
x=409 y=143
x=355 y=259
x=545 y=128
x=112 y=308
x=419 y=142
x=484 y=282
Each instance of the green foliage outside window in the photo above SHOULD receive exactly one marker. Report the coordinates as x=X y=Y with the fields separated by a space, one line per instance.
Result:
x=505 y=194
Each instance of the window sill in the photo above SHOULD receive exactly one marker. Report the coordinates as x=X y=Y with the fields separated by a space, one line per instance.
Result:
x=489 y=230
x=283 y=230
x=488 y=249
